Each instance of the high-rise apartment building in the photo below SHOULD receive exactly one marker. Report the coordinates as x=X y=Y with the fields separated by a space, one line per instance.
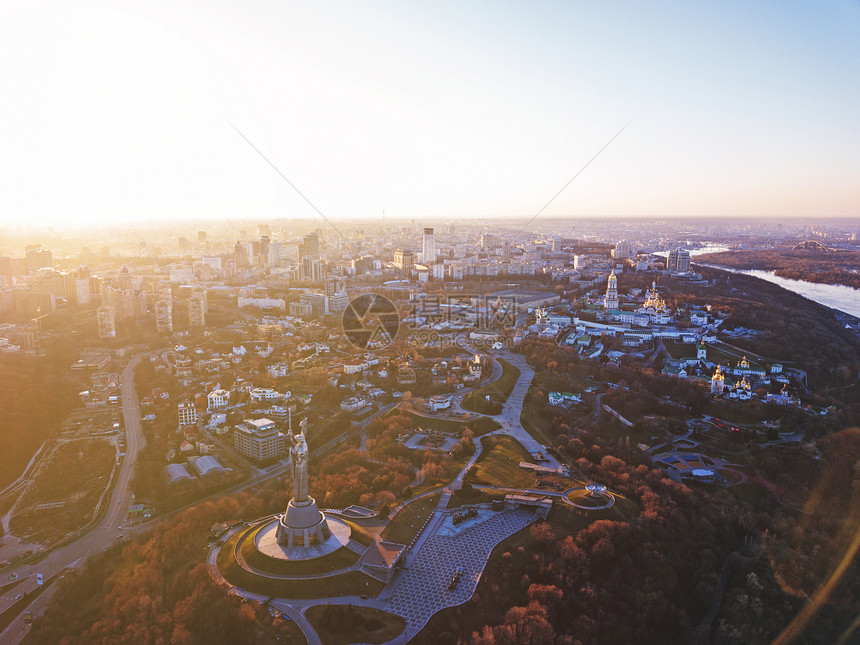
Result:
x=259 y=440
x=164 y=316
x=106 y=319
x=164 y=308
x=623 y=249
x=197 y=309
x=678 y=260
x=333 y=285
x=489 y=241
x=338 y=301
x=429 y=247
x=310 y=246
x=318 y=301
x=82 y=281
x=311 y=269
x=405 y=261
x=265 y=244
x=37 y=257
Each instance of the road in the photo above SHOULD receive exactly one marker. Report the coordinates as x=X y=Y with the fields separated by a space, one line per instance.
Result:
x=104 y=534
x=513 y=408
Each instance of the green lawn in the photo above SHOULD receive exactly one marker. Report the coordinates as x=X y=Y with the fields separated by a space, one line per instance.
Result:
x=75 y=478
x=467 y=496
x=347 y=624
x=359 y=534
x=479 y=426
x=498 y=390
x=404 y=526
x=499 y=462
x=351 y=583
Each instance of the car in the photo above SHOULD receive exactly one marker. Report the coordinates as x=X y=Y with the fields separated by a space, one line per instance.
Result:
x=18 y=597
x=13 y=576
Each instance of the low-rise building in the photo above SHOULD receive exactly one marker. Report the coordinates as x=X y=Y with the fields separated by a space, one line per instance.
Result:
x=354 y=367
x=263 y=394
x=439 y=402
x=218 y=399
x=353 y=404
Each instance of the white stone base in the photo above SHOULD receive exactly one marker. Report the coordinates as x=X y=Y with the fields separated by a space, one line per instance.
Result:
x=266 y=541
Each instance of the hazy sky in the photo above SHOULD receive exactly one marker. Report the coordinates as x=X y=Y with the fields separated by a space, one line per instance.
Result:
x=112 y=111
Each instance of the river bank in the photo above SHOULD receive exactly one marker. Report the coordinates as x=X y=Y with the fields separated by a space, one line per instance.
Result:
x=842 y=299
x=835 y=267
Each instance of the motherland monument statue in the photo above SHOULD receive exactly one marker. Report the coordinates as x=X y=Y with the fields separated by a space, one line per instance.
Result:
x=302 y=524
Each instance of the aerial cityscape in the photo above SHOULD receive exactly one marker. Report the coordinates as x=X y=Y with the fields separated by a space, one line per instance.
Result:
x=441 y=324
x=436 y=408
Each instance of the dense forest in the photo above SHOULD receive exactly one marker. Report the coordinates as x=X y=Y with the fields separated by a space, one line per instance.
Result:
x=827 y=267
x=653 y=578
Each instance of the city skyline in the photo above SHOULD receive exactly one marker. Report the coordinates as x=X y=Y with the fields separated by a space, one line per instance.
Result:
x=116 y=113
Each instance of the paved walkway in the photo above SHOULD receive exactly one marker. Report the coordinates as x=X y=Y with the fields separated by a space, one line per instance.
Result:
x=513 y=408
x=423 y=589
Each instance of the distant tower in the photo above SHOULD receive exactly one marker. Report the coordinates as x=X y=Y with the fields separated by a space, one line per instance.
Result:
x=702 y=352
x=678 y=260
x=38 y=257
x=82 y=282
x=610 y=301
x=164 y=308
x=265 y=245
x=429 y=249
x=718 y=382
x=197 y=309
x=106 y=319
x=310 y=246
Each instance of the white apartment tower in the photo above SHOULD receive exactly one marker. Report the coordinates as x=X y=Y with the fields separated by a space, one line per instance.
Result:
x=678 y=260
x=429 y=248
x=106 y=318
x=623 y=249
x=197 y=309
x=164 y=308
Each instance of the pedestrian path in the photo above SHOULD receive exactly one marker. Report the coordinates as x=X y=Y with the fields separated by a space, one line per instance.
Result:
x=423 y=590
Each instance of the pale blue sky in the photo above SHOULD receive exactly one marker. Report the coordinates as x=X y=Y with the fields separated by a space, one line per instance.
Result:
x=114 y=111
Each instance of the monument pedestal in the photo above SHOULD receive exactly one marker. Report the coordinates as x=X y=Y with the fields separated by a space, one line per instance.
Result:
x=302 y=525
